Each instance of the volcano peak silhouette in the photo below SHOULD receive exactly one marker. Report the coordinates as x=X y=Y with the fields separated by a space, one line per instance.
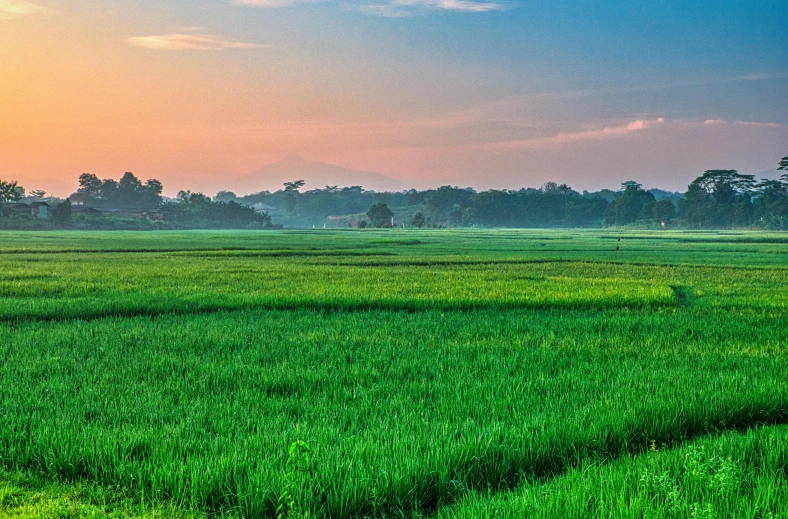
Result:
x=316 y=175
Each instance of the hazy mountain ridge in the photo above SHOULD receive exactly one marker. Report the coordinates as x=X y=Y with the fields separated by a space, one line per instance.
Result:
x=316 y=175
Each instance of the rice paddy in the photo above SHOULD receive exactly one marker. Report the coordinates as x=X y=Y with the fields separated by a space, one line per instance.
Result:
x=400 y=373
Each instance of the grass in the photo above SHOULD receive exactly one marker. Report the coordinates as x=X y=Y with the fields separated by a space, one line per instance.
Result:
x=732 y=475
x=26 y=496
x=425 y=372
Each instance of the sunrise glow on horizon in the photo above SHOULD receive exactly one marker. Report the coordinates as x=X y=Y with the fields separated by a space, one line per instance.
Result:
x=489 y=94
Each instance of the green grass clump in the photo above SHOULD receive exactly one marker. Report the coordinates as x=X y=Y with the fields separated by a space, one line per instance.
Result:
x=390 y=373
x=732 y=475
x=25 y=496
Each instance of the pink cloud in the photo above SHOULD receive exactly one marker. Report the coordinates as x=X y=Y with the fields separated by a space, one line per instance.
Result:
x=11 y=9
x=180 y=41
x=638 y=125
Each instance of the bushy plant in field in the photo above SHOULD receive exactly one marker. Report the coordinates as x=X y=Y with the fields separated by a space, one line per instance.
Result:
x=704 y=479
x=298 y=460
x=731 y=475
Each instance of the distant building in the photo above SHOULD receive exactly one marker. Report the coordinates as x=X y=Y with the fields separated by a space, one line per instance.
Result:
x=80 y=204
x=81 y=209
x=148 y=214
x=77 y=199
x=35 y=209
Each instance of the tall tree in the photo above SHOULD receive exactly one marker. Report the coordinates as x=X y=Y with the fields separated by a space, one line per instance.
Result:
x=771 y=204
x=108 y=194
x=129 y=191
x=379 y=215
x=151 y=193
x=225 y=196
x=719 y=198
x=564 y=189
x=89 y=187
x=294 y=186
x=448 y=203
x=10 y=191
x=550 y=187
x=628 y=205
x=664 y=211
x=783 y=166
x=291 y=195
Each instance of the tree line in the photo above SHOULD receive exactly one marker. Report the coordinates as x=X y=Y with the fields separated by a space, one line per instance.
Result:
x=108 y=203
x=128 y=192
x=715 y=199
x=198 y=210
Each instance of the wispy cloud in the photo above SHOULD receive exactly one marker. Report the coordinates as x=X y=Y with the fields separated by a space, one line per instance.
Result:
x=11 y=9
x=402 y=8
x=762 y=77
x=273 y=3
x=181 y=41
x=515 y=109
x=631 y=127
x=396 y=8
x=471 y=6
x=723 y=122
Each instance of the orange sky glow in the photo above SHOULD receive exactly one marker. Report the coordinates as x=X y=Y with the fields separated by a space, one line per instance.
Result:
x=94 y=89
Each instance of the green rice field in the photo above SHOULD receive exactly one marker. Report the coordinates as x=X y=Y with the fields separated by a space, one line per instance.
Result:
x=402 y=373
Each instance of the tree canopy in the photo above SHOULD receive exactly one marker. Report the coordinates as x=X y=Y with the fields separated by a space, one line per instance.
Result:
x=719 y=198
x=129 y=191
x=10 y=191
x=196 y=209
x=631 y=203
x=379 y=215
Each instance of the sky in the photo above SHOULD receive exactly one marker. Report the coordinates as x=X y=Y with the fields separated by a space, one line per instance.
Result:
x=482 y=93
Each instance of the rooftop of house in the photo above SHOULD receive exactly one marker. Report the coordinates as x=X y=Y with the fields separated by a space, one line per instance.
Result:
x=126 y=209
x=26 y=205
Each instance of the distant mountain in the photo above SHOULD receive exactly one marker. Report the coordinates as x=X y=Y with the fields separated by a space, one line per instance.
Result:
x=315 y=174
